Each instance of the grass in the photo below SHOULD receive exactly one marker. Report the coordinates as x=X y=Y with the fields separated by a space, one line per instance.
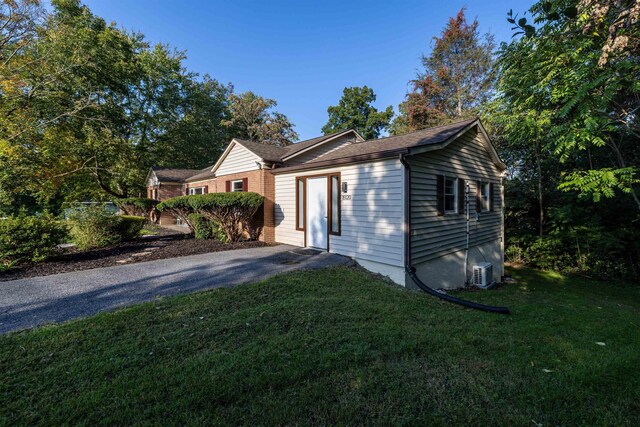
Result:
x=337 y=346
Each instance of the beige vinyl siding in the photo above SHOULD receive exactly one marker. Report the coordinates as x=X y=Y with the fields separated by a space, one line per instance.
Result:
x=320 y=151
x=371 y=222
x=238 y=160
x=433 y=236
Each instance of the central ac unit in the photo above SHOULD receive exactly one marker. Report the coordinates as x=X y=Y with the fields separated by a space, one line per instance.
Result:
x=483 y=274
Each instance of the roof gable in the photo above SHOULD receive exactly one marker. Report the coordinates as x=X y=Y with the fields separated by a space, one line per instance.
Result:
x=415 y=142
x=246 y=146
x=299 y=148
x=170 y=174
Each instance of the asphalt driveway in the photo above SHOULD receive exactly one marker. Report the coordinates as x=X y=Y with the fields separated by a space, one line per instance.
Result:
x=26 y=303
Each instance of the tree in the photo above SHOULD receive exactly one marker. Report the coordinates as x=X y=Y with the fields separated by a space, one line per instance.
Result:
x=87 y=108
x=251 y=117
x=565 y=121
x=458 y=77
x=580 y=67
x=355 y=111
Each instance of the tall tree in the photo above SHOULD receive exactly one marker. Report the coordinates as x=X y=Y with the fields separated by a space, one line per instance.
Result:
x=89 y=107
x=355 y=110
x=252 y=117
x=580 y=68
x=458 y=77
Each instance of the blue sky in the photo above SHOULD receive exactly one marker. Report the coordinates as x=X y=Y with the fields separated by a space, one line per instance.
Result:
x=303 y=53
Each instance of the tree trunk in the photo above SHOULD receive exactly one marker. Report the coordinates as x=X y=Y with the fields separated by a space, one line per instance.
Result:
x=540 y=195
x=623 y=164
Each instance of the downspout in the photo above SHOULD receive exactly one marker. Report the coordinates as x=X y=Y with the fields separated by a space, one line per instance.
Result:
x=410 y=269
x=467 y=218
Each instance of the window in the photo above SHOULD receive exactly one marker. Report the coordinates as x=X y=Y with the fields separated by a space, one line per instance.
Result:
x=485 y=195
x=236 y=185
x=334 y=206
x=450 y=195
x=300 y=204
x=196 y=190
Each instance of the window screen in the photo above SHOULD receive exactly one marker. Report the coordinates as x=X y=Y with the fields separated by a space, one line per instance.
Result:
x=450 y=194
x=236 y=185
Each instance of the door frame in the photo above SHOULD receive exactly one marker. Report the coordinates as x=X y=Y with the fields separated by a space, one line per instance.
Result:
x=304 y=178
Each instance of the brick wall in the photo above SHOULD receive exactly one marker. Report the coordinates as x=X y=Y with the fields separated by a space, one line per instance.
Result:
x=258 y=181
x=166 y=191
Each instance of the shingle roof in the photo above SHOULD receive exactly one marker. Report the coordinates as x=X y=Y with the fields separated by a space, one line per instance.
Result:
x=374 y=147
x=202 y=175
x=173 y=175
x=429 y=136
x=270 y=153
x=299 y=146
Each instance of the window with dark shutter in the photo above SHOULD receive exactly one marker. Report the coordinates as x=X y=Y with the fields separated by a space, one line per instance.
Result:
x=461 y=193
x=206 y=189
x=440 y=194
x=227 y=186
x=478 y=196
x=245 y=184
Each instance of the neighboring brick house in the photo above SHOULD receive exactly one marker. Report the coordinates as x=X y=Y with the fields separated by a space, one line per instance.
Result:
x=165 y=183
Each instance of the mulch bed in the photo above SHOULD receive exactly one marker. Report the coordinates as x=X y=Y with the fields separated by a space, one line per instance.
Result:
x=144 y=249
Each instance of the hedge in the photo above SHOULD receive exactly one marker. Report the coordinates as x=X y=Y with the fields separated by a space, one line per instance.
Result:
x=94 y=227
x=29 y=238
x=137 y=206
x=234 y=211
x=178 y=207
x=204 y=228
x=130 y=226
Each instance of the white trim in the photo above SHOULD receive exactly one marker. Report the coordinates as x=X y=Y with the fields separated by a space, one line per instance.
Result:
x=196 y=188
x=148 y=178
x=297 y=153
x=235 y=181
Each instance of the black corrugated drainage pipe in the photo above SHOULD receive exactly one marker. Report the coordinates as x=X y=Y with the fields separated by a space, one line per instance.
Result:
x=411 y=271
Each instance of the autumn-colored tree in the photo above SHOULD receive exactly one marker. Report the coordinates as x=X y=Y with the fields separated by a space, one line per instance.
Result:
x=458 y=78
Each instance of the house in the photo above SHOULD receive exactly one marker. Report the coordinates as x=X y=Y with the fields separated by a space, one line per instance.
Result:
x=386 y=203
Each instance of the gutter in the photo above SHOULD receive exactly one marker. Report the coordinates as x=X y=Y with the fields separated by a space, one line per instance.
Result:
x=342 y=161
x=411 y=270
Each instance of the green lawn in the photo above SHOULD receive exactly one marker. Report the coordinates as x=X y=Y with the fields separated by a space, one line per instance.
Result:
x=338 y=346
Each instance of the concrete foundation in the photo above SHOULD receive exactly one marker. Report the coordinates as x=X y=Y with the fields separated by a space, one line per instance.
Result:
x=448 y=271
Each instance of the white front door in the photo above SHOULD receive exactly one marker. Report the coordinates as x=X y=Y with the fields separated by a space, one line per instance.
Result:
x=317 y=213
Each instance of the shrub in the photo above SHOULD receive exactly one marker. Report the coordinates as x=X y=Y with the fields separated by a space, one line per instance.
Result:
x=232 y=211
x=131 y=226
x=93 y=227
x=29 y=238
x=137 y=206
x=204 y=228
x=178 y=207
